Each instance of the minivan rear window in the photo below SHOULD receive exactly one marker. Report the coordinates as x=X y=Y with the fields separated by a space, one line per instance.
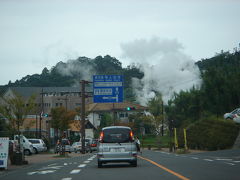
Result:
x=116 y=135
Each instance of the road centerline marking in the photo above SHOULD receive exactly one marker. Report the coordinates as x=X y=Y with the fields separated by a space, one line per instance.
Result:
x=164 y=168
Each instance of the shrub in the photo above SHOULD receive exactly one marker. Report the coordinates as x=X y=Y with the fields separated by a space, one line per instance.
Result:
x=212 y=134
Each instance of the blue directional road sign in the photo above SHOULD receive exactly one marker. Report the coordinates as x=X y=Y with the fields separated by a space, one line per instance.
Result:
x=107 y=88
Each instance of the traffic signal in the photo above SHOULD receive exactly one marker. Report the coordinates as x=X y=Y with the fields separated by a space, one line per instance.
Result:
x=130 y=108
x=45 y=115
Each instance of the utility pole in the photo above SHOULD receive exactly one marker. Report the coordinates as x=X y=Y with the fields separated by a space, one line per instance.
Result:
x=41 y=113
x=36 y=125
x=82 y=130
x=162 y=119
x=83 y=82
x=114 y=115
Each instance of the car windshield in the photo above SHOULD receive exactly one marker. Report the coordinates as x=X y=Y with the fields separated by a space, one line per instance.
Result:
x=116 y=135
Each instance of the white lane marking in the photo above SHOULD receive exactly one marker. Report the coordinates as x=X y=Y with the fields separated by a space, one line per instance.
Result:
x=208 y=160
x=52 y=164
x=66 y=178
x=46 y=172
x=86 y=161
x=219 y=159
x=65 y=164
x=51 y=167
x=90 y=159
x=236 y=161
x=41 y=172
x=75 y=163
x=230 y=164
x=31 y=173
x=194 y=157
x=75 y=171
x=82 y=165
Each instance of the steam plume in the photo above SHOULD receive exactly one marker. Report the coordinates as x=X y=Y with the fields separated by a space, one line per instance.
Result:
x=165 y=66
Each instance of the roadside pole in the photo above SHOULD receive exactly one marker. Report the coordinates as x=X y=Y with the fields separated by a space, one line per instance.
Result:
x=83 y=116
x=83 y=113
x=185 y=138
x=175 y=138
x=41 y=114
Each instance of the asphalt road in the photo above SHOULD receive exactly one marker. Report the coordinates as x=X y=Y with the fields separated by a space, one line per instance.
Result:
x=154 y=165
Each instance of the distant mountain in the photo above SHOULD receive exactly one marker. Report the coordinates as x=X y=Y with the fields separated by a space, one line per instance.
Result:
x=71 y=72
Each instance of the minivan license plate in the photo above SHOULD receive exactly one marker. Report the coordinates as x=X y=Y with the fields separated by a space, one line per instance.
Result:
x=117 y=149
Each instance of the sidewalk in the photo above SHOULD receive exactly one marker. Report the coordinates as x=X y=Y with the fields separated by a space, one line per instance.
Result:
x=37 y=158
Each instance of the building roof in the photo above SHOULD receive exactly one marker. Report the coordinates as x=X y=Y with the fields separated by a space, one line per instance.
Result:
x=96 y=107
x=76 y=126
x=28 y=91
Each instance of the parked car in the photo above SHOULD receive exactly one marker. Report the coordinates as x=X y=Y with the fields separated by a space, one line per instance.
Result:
x=38 y=145
x=76 y=146
x=116 y=144
x=232 y=114
x=93 y=144
x=65 y=144
x=87 y=146
x=88 y=142
x=236 y=118
x=27 y=145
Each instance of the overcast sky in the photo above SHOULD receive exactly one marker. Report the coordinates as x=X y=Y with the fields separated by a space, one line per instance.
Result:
x=39 y=33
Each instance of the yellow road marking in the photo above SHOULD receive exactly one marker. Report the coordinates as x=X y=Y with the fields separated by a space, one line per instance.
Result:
x=164 y=168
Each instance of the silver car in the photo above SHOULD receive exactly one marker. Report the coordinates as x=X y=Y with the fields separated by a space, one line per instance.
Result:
x=116 y=144
x=38 y=145
x=232 y=114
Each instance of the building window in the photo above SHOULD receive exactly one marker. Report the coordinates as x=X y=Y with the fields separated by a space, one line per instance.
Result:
x=56 y=104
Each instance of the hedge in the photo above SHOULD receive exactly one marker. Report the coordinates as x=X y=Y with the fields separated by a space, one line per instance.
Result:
x=212 y=134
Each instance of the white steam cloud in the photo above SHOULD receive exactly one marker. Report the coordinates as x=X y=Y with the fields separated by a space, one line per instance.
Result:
x=165 y=66
x=77 y=69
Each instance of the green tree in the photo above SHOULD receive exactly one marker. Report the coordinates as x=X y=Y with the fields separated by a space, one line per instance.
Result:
x=16 y=109
x=155 y=106
x=61 y=118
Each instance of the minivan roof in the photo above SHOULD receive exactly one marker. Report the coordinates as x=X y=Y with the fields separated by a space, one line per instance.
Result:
x=112 y=127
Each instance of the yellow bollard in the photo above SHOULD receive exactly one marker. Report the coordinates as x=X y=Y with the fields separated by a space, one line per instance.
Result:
x=175 y=138
x=185 y=138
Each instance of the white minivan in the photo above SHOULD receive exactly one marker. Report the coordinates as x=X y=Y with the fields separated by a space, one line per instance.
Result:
x=27 y=145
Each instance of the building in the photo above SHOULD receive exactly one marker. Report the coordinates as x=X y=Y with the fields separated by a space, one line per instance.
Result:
x=46 y=99
x=119 y=111
x=68 y=97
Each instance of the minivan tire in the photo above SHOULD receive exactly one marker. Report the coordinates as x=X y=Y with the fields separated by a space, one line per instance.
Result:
x=99 y=164
x=134 y=163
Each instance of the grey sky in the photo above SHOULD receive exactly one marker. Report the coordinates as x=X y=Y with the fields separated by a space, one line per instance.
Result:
x=37 y=34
